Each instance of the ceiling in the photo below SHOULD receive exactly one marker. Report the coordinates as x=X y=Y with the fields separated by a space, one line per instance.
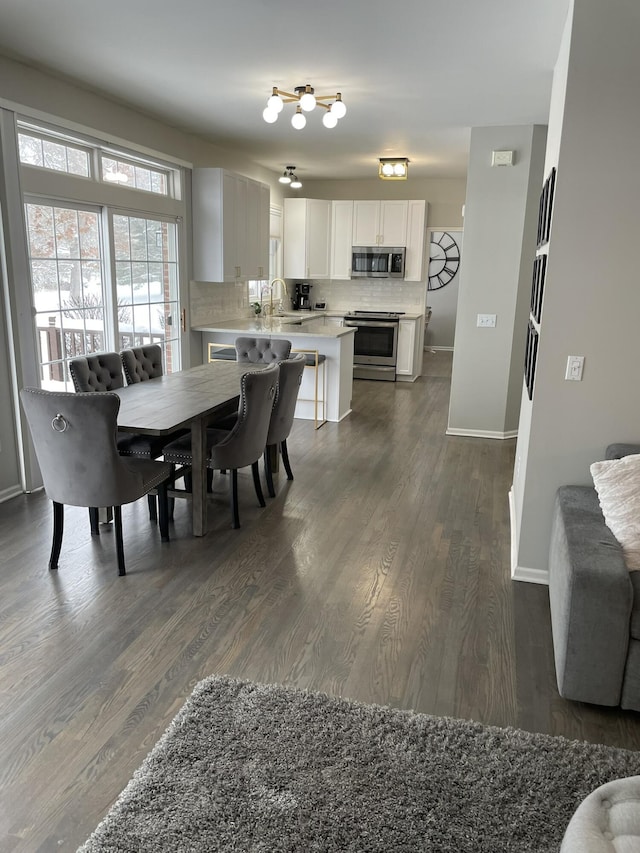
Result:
x=415 y=75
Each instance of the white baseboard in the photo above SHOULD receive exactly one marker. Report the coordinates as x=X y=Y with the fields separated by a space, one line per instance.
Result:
x=521 y=573
x=10 y=492
x=480 y=433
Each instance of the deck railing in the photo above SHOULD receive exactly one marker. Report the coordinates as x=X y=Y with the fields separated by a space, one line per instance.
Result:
x=58 y=345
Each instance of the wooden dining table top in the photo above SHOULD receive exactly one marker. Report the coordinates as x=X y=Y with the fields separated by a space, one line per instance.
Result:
x=173 y=401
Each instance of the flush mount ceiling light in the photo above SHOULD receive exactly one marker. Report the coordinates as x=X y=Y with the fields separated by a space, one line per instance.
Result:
x=306 y=100
x=393 y=168
x=289 y=177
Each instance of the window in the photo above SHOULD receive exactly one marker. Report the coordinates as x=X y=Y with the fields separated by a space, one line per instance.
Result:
x=50 y=153
x=146 y=274
x=48 y=149
x=136 y=175
x=66 y=275
x=260 y=291
x=77 y=311
x=103 y=278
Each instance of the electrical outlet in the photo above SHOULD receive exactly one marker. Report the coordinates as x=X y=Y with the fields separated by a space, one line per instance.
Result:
x=486 y=321
x=575 y=364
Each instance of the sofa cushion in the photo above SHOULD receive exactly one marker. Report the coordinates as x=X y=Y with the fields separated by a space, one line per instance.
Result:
x=617 y=482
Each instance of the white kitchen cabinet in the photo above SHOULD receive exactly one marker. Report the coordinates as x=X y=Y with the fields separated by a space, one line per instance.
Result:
x=341 y=239
x=258 y=204
x=307 y=224
x=230 y=226
x=380 y=223
x=414 y=258
x=409 y=352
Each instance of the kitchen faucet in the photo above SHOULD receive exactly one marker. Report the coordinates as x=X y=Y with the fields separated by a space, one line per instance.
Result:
x=286 y=292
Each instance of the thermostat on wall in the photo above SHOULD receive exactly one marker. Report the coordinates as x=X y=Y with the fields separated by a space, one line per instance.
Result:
x=502 y=158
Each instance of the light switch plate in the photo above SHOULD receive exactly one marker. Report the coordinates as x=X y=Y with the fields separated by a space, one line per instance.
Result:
x=486 y=321
x=575 y=365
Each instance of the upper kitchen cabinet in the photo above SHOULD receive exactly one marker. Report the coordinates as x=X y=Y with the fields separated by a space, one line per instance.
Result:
x=230 y=226
x=307 y=224
x=341 y=239
x=380 y=223
x=414 y=258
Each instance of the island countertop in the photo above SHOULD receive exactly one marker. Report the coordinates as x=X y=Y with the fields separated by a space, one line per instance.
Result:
x=325 y=390
x=317 y=327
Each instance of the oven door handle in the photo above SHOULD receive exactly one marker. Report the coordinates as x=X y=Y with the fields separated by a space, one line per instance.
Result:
x=384 y=324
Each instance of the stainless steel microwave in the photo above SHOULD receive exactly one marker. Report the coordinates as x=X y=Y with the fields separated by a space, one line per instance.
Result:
x=377 y=262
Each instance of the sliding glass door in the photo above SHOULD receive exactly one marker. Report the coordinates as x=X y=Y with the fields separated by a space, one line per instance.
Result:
x=100 y=287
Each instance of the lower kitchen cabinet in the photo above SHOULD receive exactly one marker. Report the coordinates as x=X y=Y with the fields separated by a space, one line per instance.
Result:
x=409 y=353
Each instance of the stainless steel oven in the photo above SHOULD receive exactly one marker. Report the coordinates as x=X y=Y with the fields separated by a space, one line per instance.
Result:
x=376 y=344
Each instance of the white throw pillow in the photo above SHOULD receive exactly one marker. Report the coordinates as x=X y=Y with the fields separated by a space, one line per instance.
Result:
x=617 y=482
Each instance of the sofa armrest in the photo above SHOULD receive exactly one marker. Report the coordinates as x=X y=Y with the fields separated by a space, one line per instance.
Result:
x=591 y=597
x=617 y=451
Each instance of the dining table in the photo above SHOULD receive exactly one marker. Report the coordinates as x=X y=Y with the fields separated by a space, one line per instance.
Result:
x=186 y=399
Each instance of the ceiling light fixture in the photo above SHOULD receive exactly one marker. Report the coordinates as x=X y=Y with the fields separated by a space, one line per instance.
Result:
x=306 y=100
x=393 y=168
x=289 y=177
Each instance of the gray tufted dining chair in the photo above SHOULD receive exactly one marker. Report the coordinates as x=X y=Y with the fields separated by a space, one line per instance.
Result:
x=291 y=371
x=261 y=350
x=245 y=442
x=103 y=372
x=74 y=436
x=98 y=372
x=142 y=363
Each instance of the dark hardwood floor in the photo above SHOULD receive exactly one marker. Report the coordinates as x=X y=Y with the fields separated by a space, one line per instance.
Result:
x=380 y=574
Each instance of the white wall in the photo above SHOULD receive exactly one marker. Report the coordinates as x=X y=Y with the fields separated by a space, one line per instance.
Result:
x=495 y=278
x=592 y=299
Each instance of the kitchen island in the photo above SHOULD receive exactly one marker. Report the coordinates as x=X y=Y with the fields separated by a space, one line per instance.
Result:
x=309 y=331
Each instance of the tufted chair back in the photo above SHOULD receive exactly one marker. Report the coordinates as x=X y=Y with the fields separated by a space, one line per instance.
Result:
x=142 y=363
x=261 y=350
x=100 y=372
x=246 y=442
x=74 y=436
x=291 y=371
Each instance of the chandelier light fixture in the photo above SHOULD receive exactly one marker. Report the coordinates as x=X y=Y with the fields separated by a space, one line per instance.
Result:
x=306 y=100
x=289 y=177
x=393 y=168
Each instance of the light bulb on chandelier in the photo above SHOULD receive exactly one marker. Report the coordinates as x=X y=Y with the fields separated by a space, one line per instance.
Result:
x=289 y=177
x=306 y=100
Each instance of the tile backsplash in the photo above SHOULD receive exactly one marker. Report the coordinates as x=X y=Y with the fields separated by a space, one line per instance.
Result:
x=214 y=301
x=370 y=295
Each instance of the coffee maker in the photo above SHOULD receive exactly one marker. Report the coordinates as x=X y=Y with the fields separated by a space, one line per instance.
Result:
x=302 y=298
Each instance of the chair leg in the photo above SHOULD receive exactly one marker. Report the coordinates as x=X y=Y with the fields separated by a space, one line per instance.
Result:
x=285 y=459
x=235 y=516
x=117 y=517
x=153 y=512
x=268 y=473
x=172 y=501
x=58 y=527
x=94 y=520
x=209 y=480
x=255 y=470
x=163 y=512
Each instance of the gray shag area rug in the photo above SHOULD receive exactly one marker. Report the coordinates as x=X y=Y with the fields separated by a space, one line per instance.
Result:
x=268 y=769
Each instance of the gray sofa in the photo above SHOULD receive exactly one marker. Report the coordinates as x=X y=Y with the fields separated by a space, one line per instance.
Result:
x=595 y=602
